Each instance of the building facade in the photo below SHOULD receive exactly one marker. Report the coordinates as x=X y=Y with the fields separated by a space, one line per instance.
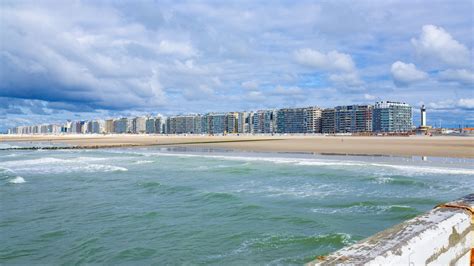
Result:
x=313 y=119
x=291 y=120
x=392 y=117
x=328 y=121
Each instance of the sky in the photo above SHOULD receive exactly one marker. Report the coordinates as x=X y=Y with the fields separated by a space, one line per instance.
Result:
x=74 y=60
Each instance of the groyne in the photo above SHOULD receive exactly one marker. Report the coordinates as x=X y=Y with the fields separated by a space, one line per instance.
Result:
x=442 y=236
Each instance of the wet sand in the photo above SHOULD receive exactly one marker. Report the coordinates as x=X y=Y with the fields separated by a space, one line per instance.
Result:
x=442 y=146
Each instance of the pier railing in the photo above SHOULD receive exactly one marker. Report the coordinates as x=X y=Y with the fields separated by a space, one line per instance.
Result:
x=442 y=236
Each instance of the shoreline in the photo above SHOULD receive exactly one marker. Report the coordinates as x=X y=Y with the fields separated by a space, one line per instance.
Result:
x=438 y=146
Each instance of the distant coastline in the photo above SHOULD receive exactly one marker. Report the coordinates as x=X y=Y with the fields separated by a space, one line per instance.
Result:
x=439 y=146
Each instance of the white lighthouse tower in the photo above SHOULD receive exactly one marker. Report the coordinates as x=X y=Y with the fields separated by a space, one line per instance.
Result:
x=423 y=116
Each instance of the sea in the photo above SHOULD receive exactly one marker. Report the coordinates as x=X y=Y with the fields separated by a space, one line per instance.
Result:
x=186 y=206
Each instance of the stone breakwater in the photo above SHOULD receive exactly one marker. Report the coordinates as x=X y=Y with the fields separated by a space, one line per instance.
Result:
x=442 y=236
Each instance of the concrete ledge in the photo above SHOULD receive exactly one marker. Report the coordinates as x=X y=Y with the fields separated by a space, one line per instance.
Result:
x=442 y=236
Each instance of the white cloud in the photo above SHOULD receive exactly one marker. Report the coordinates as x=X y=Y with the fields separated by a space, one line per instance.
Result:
x=331 y=61
x=404 y=74
x=436 y=43
x=250 y=85
x=466 y=103
x=291 y=91
x=347 y=79
x=341 y=67
x=177 y=48
x=255 y=96
x=369 y=97
x=457 y=75
x=450 y=104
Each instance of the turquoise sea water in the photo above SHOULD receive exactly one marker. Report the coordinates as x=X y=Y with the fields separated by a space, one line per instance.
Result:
x=191 y=206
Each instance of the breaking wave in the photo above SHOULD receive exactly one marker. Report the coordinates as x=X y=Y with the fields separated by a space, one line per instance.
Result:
x=408 y=169
x=55 y=165
x=17 y=180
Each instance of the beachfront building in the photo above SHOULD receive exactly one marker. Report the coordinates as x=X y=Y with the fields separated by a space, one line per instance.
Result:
x=363 y=117
x=232 y=123
x=109 y=126
x=121 y=125
x=204 y=124
x=291 y=120
x=343 y=119
x=244 y=122
x=197 y=124
x=328 y=121
x=97 y=127
x=217 y=123
x=150 y=125
x=153 y=125
x=264 y=121
x=392 y=117
x=353 y=118
x=182 y=124
x=313 y=119
x=139 y=125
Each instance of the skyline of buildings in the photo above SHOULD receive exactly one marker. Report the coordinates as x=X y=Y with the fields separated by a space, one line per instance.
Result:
x=382 y=117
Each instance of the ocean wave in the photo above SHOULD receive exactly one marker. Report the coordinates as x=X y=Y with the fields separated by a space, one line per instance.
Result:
x=401 y=181
x=142 y=162
x=302 y=191
x=55 y=165
x=427 y=169
x=17 y=180
x=276 y=241
x=364 y=207
x=408 y=169
x=219 y=197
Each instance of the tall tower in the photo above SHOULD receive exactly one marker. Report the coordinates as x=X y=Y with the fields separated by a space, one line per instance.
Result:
x=423 y=116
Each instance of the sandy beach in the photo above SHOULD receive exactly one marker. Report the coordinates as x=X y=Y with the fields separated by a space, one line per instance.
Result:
x=442 y=146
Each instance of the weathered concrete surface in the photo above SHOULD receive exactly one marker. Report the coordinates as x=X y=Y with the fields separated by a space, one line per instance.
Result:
x=443 y=236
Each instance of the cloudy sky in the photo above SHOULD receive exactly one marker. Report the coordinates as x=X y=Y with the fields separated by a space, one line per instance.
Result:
x=64 y=60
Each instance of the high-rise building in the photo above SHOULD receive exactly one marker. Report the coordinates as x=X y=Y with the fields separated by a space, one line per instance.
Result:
x=182 y=124
x=363 y=118
x=197 y=124
x=139 y=125
x=291 y=120
x=121 y=125
x=343 y=119
x=392 y=117
x=109 y=126
x=313 y=119
x=67 y=127
x=353 y=118
x=328 y=121
x=264 y=121
x=97 y=126
x=153 y=125
x=217 y=123
x=232 y=123
x=244 y=122
x=159 y=124
x=205 y=124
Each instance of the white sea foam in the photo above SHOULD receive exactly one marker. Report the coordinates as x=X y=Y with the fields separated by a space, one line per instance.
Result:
x=427 y=169
x=408 y=169
x=377 y=209
x=55 y=165
x=300 y=191
x=383 y=180
x=17 y=180
x=143 y=161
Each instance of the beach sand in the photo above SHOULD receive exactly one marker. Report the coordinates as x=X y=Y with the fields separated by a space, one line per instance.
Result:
x=443 y=146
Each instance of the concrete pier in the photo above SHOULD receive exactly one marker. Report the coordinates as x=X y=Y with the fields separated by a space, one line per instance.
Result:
x=442 y=236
